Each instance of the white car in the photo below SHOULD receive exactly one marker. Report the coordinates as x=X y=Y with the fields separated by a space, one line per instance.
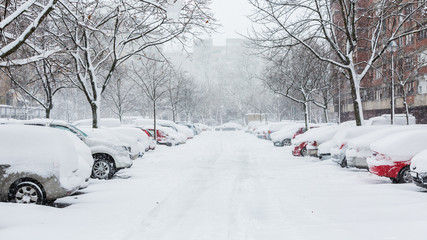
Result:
x=41 y=164
x=418 y=169
x=339 y=148
x=284 y=136
x=109 y=155
x=140 y=137
x=358 y=150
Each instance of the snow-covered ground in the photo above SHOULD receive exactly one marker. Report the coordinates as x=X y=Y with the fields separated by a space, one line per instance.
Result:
x=227 y=185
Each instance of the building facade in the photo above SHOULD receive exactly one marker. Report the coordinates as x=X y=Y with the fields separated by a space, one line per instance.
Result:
x=404 y=69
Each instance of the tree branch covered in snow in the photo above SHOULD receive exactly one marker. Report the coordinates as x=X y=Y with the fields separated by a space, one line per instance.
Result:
x=343 y=27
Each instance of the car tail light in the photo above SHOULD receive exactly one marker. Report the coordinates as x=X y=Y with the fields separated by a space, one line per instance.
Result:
x=269 y=132
x=314 y=144
x=342 y=145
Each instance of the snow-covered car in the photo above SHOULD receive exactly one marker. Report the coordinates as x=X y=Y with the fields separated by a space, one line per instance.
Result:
x=110 y=154
x=164 y=136
x=284 y=136
x=104 y=122
x=185 y=130
x=358 y=149
x=391 y=156
x=261 y=132
x=192 y=127
x=230 y=126
x=151 y=142
x=418 y=169
x=274 y=127
x=306 y=144
x=385 y=119
x=138 y=135
x=341 y=138
x=202 y=127
x=40 y=164
x=324 y=150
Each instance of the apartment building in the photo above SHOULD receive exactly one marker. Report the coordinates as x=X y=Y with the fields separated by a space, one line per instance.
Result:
x=406 y=66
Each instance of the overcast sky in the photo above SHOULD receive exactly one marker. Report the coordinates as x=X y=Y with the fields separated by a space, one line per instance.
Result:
x=232 y=15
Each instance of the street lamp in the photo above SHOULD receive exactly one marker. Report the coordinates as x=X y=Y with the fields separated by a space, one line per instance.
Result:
x=392 y=48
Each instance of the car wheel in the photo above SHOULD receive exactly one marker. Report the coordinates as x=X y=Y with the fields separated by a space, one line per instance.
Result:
x=343 y=163
x=27 y=192
x=102 y=168
x=286 y=142
x=303 y=152
x=405 y=175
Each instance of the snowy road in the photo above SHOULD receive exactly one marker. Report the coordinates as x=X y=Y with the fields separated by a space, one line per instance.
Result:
x=228 y=185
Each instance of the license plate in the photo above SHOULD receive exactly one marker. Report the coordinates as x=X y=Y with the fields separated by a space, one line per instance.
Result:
x=414 y=174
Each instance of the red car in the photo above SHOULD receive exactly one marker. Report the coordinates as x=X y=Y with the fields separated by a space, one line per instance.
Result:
x=397 y=171
x=301 y=149
x=392 y=154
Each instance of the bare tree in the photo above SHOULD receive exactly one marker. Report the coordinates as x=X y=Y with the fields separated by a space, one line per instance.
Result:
x=406 y=73
x=103 y=35
x=40 y=81
x=295 y=76
x=152 y=76
x=19 y=19
x=175 y=88
x=189 y=98
x=121 y=95
x=344 y=27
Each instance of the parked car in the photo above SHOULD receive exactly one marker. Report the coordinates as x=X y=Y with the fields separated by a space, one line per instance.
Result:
x=324 y=150
x=385 y=119
x=165 y=136
x=38 y=165
x=135 y=133
x=306 y=144
x=202 y=127
x=103 y=122
x=230 y=126
x=341 y=138
x=419 y=169
x=276 y=126
x=261 y=132
x=284 y=136
x=392 y=155
x=151 y=143
x=109 y=154
x=358 y=150
x=190 y=126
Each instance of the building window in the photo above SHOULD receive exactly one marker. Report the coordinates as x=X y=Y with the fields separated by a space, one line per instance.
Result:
x=422 y=35
x=409 y=39
x=378 y=73
x=408 y=9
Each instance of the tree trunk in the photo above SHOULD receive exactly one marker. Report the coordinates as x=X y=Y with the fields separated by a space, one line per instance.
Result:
x=357 y=104
x=173 y=114
x=48 y=109
x=306 y=115
x=406 y=108
x=325 y=110
x=154 y=117
x=95 y=116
